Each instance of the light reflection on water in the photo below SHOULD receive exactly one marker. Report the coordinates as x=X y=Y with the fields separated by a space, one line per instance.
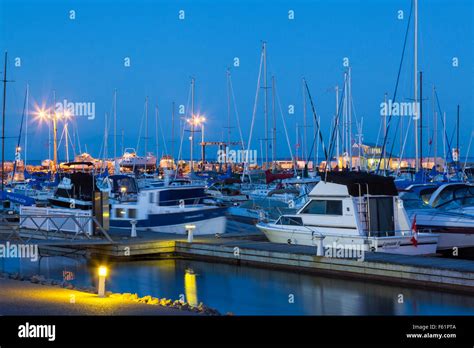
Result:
x=252 y=291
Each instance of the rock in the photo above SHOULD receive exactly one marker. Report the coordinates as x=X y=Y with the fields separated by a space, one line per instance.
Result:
x=154 y=301
x=126 y=296
x=144 y=299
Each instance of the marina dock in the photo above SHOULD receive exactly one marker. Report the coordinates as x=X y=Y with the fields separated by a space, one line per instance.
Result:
x=253 y=249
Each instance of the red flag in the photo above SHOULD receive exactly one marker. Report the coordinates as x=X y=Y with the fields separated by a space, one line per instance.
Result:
x=414 y=239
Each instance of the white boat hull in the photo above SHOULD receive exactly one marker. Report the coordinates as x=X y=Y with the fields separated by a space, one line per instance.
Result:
x=427 y=242
x=203 y=227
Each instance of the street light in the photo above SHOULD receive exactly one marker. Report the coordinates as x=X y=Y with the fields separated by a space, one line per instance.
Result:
x=194 y=121
x=102 y=275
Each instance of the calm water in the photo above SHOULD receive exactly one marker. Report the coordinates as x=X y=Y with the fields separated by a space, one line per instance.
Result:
x=252 y=291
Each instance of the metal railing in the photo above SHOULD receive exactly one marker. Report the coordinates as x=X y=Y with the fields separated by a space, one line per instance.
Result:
x=52 y=226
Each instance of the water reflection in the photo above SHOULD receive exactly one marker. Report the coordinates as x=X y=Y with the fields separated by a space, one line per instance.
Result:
x=252 y=291
x=190 y=289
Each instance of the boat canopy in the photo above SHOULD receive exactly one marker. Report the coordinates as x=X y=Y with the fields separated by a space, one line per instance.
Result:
x=360 y=183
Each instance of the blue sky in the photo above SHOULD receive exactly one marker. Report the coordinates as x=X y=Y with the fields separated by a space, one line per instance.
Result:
x=83 y=61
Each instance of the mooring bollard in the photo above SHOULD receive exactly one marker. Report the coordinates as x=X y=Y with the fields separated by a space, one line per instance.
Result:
x=134 y=228
x=102 y=275
x=319 y=245
x=189 y=230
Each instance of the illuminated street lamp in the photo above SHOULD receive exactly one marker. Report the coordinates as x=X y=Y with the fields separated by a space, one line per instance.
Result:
x=196 y=121
x=102 y=275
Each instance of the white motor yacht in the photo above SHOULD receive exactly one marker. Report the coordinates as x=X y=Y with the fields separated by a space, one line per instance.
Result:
x=353 y=210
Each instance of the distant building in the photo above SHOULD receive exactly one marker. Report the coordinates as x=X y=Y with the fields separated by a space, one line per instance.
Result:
x=368 y=156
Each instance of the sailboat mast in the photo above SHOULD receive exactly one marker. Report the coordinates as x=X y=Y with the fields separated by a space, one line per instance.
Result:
x=3 y=115
x=26 y=122
x=457 y=138
x=336 y=124
x=444 y=141
x=274 y=124
x=172 y=130
x=192 y=125
x=123 y=141
x=106 y=140
x=304 y=110
x=384 y=155
x=350 y=119
x=421 y=119
x=156 y=138
x=265 y=105
x=417 y=167
x=146 y=130
x=228 y=106
x=115 y=124
x=305 y=133
x=344 y=123
x=435 y=125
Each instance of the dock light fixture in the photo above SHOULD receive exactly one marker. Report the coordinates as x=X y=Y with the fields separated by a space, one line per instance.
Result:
x=102 y=275
x=189 y=231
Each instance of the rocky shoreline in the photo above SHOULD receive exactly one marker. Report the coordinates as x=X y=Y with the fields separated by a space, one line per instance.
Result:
x=127 y=297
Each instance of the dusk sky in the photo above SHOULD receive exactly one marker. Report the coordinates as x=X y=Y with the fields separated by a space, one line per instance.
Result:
x=82 y=59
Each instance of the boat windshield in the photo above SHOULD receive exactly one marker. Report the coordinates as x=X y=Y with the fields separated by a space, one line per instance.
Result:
x=455 y=197
x=413 y=201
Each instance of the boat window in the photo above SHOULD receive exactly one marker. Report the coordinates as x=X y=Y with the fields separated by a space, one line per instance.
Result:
x=324 y=207
x=150 y=197
x=425 y=194
x=291 y=220
x=413 y=201
x=132 y=213
x=120 y=213
x=451 y=198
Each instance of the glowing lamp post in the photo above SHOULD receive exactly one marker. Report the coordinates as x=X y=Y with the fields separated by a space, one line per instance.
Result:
x=43 y=115
x=102 y=275
x=195 y=120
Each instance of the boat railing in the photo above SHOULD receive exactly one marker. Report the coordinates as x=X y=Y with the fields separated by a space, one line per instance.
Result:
x=314 y=233
x=25 y=227
x=196 y=201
